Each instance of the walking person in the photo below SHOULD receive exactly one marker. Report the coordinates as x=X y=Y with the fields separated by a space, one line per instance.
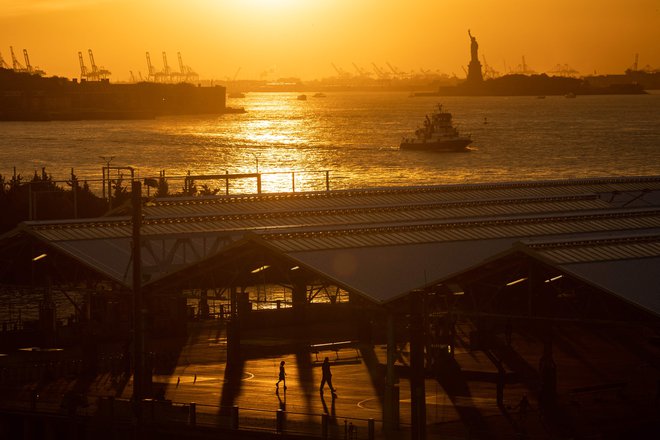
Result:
x=523 y=407
x=282 y=377
x=326 y=376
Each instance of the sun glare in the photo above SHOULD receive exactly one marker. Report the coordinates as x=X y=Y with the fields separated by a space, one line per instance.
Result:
x=266 y=5
x=275 y=3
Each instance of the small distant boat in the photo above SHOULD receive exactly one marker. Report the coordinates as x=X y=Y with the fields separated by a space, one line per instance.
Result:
x=540 y=97
x=237 y=95
x=319 y=95
x=438 y=134
x=302 y=98
x=569 y=95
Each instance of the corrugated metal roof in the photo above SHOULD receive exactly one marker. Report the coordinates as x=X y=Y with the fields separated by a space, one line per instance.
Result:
x=601 y=249
x=311 y=240
x=381 y=243
x=328 y=217
x=396 y=196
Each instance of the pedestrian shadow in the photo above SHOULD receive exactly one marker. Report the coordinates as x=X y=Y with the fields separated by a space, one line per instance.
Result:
x=332 y=413
x=231 y=387
x=282 y=401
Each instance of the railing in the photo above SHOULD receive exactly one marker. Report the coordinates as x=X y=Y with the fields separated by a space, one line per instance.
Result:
x=190 y=179
x=279 y=421
x=189 y=416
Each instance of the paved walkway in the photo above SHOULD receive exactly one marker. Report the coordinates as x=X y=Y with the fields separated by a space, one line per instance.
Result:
x=457 y=408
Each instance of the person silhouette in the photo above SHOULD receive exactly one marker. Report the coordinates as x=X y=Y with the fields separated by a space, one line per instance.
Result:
x=326 y=376
x=282 y=377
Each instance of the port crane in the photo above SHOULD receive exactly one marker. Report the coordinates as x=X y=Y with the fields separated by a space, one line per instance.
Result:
x=26 y=57
x=83 y=68
x=489 y=72
x=14 y=61
x=96 y=73
x=151 y=70
x=361 y=72
x=187 y=74
x=341 y=72
x=564 y=70
x=381 y=74
x=166 y=73
x=3 y=64
x=16 y=66
x=524 y=69
x=397 y=73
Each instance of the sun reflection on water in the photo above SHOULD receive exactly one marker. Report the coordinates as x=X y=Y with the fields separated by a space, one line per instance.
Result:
x=355 y=135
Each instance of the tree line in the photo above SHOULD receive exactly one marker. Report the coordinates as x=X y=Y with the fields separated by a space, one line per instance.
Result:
x=41 y=197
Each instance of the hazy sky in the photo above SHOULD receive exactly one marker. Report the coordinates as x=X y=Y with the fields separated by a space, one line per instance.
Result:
x=281 y=38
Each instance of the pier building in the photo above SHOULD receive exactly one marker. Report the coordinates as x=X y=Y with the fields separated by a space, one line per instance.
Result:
x=29 y=97
x=485 y=292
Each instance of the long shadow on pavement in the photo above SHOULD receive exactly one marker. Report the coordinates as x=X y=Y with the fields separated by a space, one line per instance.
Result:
x=231 y=387
x=452 y=381
x=306 y=378
x=375 y=369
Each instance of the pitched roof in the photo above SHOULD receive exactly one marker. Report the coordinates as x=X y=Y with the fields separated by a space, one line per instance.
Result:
x=380 y=243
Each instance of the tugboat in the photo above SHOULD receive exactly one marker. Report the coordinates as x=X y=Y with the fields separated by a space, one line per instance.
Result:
x=438 y=134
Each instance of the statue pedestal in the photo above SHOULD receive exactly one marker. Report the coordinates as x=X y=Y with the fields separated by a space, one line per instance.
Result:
x=474 y=72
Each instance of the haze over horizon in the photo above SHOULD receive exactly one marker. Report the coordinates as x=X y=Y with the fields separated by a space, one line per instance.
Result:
x=270 y=39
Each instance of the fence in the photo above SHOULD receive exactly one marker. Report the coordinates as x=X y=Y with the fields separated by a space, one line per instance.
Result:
x=189 y=416
x=280 y=421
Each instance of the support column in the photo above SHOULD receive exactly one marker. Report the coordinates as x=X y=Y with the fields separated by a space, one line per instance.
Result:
x=233 y=330
x=391 y=404
x=203 y=304
x=548 y=373
x=417 y=386
x=138 y=307
x=299 y=294
x=547 y=368
x=233 y=303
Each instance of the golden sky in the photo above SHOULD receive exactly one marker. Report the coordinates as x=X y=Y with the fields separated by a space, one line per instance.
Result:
x=302 y=38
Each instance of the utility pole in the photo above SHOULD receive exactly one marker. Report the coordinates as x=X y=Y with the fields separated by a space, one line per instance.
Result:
x=138 y=306
x=106 y=175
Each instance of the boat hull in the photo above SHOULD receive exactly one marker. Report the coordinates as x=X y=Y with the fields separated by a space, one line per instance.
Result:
x=443 y=146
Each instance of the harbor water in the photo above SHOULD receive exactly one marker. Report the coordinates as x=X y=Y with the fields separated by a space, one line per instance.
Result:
x=355 y=136
x=352 y=135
